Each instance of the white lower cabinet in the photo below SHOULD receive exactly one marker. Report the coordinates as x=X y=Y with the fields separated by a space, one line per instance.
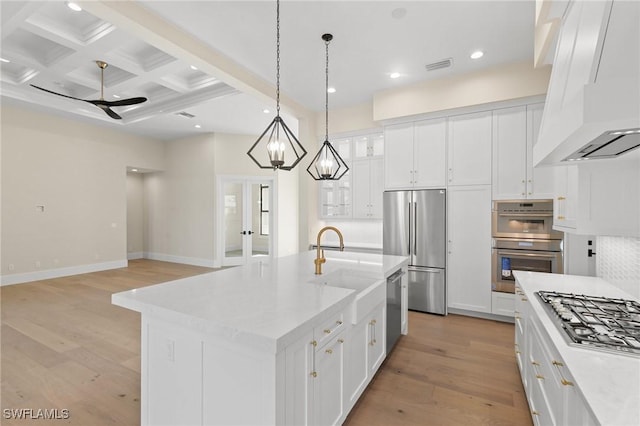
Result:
x=328 y=399
x=365 y=352
x=551 y=391
x=314 y=374
x=502 y=303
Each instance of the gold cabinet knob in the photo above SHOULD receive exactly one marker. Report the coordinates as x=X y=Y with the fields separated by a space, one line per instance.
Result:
x=340 y=340
x=373 y=321
x=539 y=376
x=561 y=217
x=327 y=331
x=314 y=374
x=339 y=322
x=314 y=343
x=329 y=351
x=535 y=413
x=566 y=382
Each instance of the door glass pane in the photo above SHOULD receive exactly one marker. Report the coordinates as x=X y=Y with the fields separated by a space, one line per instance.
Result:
x=377 y=144
x=260 y=217
x=233 y=210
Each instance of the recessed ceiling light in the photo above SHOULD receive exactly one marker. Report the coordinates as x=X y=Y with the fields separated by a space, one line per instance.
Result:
x=394 y=75
x=266 y=111
x=197 y=126
x=73 y=6
x=399 y=13
x=116 y=96
x=331 y=90
x=193 y=67
x=4 y=60
x=477 y=54
x=134 y=170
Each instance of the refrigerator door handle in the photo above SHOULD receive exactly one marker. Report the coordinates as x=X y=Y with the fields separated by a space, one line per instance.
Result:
x=415 y=228
x=410 y=234
x=422 y=269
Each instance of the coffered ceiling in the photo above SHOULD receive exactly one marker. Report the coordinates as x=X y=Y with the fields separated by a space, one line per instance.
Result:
x=49 y=45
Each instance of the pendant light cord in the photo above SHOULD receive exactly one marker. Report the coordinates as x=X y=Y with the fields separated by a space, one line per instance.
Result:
x=278 y=58
x=326 y=93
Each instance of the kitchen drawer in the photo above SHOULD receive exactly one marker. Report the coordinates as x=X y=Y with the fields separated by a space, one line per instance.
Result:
x=330 y=328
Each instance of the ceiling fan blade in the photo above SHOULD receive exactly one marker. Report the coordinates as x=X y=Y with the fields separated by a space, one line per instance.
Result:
x=120 y=102
x=107 y=110
x=56 y=93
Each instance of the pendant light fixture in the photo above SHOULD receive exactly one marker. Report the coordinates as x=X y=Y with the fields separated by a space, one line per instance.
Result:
x=277 y=147
x=327 y=164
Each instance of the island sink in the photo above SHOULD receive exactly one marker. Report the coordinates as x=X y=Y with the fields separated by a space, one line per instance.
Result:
x=369 y=289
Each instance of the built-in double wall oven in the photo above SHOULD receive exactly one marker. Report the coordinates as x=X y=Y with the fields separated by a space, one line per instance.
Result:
x=523 y=239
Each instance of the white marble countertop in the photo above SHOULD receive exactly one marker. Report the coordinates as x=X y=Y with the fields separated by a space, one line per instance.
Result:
x=265 y=305
x=609 y=382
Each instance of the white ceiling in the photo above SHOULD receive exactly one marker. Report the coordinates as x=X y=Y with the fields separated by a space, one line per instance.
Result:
x=53 y=47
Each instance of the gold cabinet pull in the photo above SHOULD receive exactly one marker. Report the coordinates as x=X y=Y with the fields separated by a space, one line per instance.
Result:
x=339 y=322
x=340 y=340
x=535 y=413
x=327 y=331
x=524 y=299
x=536 y=363
x=561 y=217
x=329 y=351
x=564 y=381
x=373 y=322
x=539 y=376
x=561 y=198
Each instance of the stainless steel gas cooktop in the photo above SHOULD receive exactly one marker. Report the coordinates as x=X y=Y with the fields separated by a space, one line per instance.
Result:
x=601 y=323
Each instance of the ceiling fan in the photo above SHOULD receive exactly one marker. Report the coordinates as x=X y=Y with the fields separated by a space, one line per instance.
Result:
x=101 y=103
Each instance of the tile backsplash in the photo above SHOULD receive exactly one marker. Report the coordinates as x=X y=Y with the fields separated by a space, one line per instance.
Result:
x=618 y=261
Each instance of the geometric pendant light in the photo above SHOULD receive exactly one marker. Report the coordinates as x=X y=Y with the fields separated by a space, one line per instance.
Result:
x=327 y=164
x=277 y=147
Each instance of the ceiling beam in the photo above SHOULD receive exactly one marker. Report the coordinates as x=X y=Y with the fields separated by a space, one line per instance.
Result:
x=146 y=25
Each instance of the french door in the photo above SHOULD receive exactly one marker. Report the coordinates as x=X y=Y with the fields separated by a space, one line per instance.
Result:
x=247 y=210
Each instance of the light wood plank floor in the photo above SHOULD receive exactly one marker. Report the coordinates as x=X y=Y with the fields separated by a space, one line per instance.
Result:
x=64 y=346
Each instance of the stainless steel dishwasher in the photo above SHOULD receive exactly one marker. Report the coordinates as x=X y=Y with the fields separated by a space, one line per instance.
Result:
x=394 y=305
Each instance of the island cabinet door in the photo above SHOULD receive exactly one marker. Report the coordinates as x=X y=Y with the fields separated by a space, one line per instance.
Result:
x=377 y=339
x=356 y=362
x=328 y=400
x=299 y=375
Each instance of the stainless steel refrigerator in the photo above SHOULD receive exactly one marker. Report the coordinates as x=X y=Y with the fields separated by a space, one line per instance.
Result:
x=414 y=225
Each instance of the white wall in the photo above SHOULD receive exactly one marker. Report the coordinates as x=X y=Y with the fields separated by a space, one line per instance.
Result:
x=180 y=203
x=77 y=172
x=135 y=215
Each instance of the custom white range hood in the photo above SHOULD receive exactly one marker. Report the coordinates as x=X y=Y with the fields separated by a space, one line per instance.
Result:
x=593 y=103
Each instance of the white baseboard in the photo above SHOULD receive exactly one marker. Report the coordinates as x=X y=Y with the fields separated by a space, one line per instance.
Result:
x=60 y=272
x=208 y=263
x=135 y=255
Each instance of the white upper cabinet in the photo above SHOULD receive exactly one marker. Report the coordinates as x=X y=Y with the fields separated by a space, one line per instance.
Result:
x=358 y=194
x=430 y=153
x=469 y=138
x=335 y=197
x=539 y=179
x=510 y=153
x=515 y=131
x=398 y=156
x=596 y=199
x=367 y=188
x=415 y=155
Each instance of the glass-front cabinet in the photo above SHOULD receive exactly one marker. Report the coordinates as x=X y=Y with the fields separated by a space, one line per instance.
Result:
x=335 y=196
x=355 y=195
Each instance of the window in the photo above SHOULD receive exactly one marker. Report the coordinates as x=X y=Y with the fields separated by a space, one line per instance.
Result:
x=264 y=210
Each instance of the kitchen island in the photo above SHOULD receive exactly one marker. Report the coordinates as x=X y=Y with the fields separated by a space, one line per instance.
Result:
x=265 y=343
x=566 y=384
